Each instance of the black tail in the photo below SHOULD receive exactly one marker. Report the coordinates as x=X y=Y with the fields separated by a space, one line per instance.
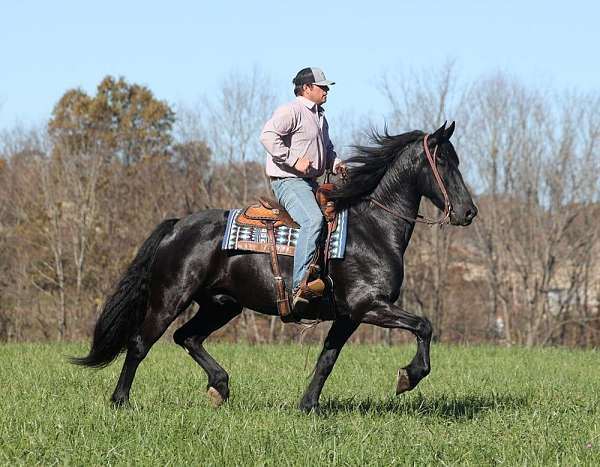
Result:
x=126 y=307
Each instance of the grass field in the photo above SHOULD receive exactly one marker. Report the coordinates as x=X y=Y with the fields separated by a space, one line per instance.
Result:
x=480 y=406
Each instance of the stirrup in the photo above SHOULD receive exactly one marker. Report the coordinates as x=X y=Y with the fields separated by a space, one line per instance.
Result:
x=296 y=306
x=299 y=302
x=306 y=293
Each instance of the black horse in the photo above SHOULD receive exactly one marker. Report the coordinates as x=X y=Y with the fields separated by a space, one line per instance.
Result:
x=182 y=261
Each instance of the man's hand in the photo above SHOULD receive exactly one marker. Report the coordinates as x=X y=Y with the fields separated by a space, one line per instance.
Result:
x=341 y=169
x=303 y=165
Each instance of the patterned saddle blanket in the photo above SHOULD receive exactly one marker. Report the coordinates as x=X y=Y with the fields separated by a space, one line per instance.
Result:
x=254 y=238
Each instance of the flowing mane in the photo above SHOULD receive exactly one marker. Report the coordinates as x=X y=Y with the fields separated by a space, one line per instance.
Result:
x=370 y=164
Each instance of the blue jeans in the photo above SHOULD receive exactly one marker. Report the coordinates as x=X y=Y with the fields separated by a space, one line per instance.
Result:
x=297 y=196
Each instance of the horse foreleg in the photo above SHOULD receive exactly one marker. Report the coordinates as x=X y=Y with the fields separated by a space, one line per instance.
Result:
x=391 y=316
x=339 y=333
x=211 y=316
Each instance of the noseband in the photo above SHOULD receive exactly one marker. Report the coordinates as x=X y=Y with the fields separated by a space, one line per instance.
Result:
x=432 y=159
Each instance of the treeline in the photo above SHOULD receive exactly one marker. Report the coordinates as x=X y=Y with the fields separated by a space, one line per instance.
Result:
x=79 y=195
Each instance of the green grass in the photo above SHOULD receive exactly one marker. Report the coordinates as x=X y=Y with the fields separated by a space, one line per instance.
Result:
x=479 y=406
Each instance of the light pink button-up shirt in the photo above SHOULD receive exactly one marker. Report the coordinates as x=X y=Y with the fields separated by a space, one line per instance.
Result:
x=298 y=129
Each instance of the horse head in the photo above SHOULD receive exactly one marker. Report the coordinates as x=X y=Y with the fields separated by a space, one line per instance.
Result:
x=448 y=192
x=397 y=171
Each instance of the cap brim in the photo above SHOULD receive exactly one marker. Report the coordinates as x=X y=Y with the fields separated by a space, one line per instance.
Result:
x=325 y=82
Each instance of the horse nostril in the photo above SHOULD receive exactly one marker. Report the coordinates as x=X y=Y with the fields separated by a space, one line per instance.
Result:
x=471 y=213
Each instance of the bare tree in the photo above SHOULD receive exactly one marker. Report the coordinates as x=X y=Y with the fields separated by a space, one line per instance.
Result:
x=525 y=273
x=234 y=119
x=424 y=100
x=535 y=187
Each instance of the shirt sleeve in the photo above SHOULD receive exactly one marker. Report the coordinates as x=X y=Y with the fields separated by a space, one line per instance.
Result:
x=273 y=136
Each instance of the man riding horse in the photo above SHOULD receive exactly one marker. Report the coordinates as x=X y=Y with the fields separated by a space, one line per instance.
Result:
x=185 y=261
x=299 y=151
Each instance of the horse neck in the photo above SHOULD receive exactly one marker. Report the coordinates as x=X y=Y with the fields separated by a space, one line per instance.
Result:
x=399 y=191
x=399 y=188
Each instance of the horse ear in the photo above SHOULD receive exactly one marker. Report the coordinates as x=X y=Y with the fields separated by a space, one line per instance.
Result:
x=448 y=132
x=438 y=135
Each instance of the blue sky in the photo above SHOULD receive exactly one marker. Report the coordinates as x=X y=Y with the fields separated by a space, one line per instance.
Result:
x=182 y=50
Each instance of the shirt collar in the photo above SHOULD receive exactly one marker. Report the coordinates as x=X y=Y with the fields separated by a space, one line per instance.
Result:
x=310 y=104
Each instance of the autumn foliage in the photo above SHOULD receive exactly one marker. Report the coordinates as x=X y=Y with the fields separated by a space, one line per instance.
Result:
x=79 y=196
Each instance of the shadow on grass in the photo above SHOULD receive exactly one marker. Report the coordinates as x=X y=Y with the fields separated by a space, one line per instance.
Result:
x=450 y=407
x=457 y=408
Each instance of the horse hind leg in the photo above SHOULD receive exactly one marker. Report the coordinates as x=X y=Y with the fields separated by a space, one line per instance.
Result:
x=156 y=322
x=213 y=314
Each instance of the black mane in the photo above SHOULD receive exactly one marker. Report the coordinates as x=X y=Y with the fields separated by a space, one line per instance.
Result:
x=370 y=164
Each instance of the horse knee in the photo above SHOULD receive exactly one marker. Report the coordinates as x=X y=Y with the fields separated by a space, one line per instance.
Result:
x=189 y=329
x=425 y=329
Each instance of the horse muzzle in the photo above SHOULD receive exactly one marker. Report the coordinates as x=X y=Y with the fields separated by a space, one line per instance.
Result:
x=463 y=217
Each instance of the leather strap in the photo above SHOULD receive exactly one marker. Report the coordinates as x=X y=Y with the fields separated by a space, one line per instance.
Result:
x=330 y=228
x=432 y=159
x=283 y=303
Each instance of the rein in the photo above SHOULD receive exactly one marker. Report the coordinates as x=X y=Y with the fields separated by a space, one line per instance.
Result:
x=432 y=159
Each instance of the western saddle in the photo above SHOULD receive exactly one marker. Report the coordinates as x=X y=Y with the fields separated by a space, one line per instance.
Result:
x=269 y=214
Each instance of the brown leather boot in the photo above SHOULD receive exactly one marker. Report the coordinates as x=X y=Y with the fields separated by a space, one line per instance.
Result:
x=304 y=294
x=316 y=288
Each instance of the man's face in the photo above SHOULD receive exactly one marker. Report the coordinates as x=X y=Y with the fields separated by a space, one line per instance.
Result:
x=315 y=93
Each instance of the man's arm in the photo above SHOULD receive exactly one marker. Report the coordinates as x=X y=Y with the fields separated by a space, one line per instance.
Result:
x=281 y=124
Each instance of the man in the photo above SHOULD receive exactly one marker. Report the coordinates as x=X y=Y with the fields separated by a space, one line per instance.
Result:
x=298 y=151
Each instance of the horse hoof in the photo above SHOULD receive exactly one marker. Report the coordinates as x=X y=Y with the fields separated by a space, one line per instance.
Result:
x=121 y=404
x=119 y=401
x=216 y=399
x=403 y=382
x=310 y=409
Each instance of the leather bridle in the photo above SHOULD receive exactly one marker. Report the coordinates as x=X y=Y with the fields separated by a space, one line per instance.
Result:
x=432 y=159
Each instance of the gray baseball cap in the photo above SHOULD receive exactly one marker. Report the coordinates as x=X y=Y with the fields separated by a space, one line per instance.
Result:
x=312 y=75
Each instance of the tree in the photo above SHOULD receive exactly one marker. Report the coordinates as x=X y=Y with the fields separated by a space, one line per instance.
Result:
x=122 y=124
x=536 y=169
x=193 y=160
x=122 y=120
x=233 y=123
x=424 y=101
